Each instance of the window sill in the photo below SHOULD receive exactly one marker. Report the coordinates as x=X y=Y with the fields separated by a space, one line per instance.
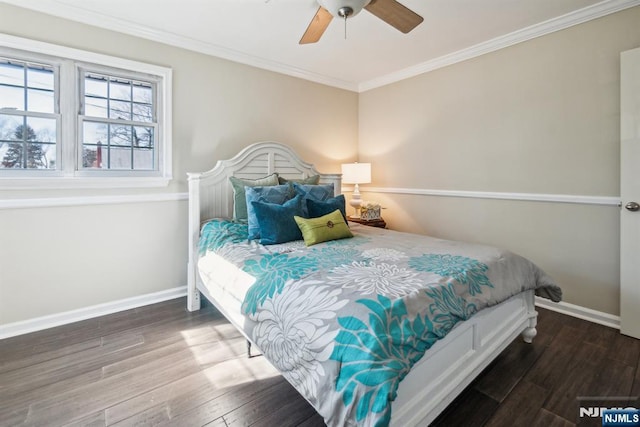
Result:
x=62 y=183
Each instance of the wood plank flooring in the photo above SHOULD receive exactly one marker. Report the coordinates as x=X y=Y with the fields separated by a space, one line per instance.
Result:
x=161 y=365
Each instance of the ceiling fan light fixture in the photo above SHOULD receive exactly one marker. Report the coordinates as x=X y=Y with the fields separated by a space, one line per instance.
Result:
x=344 y=8
x=345 y=11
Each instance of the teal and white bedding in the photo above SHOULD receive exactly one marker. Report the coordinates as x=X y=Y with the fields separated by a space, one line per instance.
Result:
x=344 y=321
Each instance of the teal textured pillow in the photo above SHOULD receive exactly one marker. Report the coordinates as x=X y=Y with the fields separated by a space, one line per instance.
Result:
x=239 y=198
x=312 y=180
x=277 y=194
x=276 y=221
x=316 y=208
x=328 y=227
x=318 y=193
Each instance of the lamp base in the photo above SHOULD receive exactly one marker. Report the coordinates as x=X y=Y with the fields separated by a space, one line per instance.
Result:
x=356 y=202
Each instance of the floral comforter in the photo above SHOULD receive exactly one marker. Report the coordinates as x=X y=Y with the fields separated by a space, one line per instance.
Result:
x=344 y=321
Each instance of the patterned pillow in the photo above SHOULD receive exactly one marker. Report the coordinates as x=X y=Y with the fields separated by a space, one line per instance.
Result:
x=319 y=193
x=312 y=180
x=328 y=227
x=239 y=199
x=276 y=221
x=277 y=194
x=316 y=208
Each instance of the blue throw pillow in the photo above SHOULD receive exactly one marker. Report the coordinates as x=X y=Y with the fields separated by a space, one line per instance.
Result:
x=277 y=194
x=276 y=221
x=319 y=193
x=316 y=208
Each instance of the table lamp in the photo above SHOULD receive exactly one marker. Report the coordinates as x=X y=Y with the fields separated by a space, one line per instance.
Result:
x=356 y=173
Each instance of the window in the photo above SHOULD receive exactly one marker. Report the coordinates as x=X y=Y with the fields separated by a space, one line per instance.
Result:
x=118 y=124
x=28 y=115
x=70 y=118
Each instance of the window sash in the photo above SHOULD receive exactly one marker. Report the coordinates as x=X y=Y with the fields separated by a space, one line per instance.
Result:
x=28 y=65
x=107 y=146
x=131 y=79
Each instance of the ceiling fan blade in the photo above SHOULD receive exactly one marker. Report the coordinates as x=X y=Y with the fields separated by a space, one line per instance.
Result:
x=395 y=14
x=316 y=27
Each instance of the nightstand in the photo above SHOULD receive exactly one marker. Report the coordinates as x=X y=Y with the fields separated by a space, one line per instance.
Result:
x=370 y=222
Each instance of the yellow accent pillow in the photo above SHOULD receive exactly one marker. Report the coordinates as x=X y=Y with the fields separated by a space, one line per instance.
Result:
x=322 y=229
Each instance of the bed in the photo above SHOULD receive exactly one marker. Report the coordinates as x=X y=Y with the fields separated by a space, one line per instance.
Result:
x=326 y=284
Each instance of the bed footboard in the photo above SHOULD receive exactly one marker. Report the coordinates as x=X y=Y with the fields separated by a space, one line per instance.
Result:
x=456 y=360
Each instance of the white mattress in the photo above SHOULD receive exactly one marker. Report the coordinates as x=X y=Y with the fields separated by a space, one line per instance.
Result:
x=218 y=273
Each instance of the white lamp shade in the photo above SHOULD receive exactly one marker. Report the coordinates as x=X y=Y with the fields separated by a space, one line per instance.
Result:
x=356 y=173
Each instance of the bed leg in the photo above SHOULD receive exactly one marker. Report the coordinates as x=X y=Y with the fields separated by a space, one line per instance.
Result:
x=193 y=294
x=193 y=301
x=529 y=334
x=249 y=355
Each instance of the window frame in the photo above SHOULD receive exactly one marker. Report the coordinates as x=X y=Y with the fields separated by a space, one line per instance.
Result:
x=157 y=124
x=28 y=58
x=69 y=64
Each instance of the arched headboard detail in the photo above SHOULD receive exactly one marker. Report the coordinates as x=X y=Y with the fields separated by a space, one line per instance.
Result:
x=211 y=194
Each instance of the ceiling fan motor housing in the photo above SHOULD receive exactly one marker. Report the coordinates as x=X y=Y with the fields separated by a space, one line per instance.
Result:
x=344 y=8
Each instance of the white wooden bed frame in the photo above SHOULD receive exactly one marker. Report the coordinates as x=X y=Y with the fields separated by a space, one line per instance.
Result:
x=445 y=370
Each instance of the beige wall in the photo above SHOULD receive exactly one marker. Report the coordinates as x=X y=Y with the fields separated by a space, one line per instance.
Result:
x=538 y=117
x=58 y=259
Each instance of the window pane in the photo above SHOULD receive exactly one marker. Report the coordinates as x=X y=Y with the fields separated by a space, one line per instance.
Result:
x=12 y=155
x=142 y=94
x=95 y=86
x=119 y=158
x=41 y=156
x=11 y=97
x=41 y=130
x=142 y=113
x=95 y=133
x=95 y=107
x=11 y=74
x=40 y=78
x=142 y=137
x=120 y=110
x=9 y=125
x=143 y=159
x=94 y=156
x=120 y=90
x=4 y=147
x=120 y=135
x=40 y=101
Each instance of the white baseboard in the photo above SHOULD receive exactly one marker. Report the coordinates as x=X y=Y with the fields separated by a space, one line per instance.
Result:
x=50 y=321
x=583 y=313
x=39 y=323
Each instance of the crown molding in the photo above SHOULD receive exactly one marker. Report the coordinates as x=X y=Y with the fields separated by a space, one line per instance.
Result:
x=579 y=16
x=79 y=14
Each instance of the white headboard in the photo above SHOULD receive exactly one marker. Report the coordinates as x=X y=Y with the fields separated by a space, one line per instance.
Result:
x=211 y=194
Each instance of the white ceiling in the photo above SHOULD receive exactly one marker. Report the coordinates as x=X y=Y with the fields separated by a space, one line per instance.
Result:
x=265 y=33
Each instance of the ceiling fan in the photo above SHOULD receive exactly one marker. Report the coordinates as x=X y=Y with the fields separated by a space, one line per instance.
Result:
x=390 y=11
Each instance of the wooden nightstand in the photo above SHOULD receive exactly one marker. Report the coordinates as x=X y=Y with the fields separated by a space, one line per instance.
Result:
x=370 y=222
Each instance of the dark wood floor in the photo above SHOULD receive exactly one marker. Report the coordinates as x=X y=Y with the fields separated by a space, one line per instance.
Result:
x=161 y=365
